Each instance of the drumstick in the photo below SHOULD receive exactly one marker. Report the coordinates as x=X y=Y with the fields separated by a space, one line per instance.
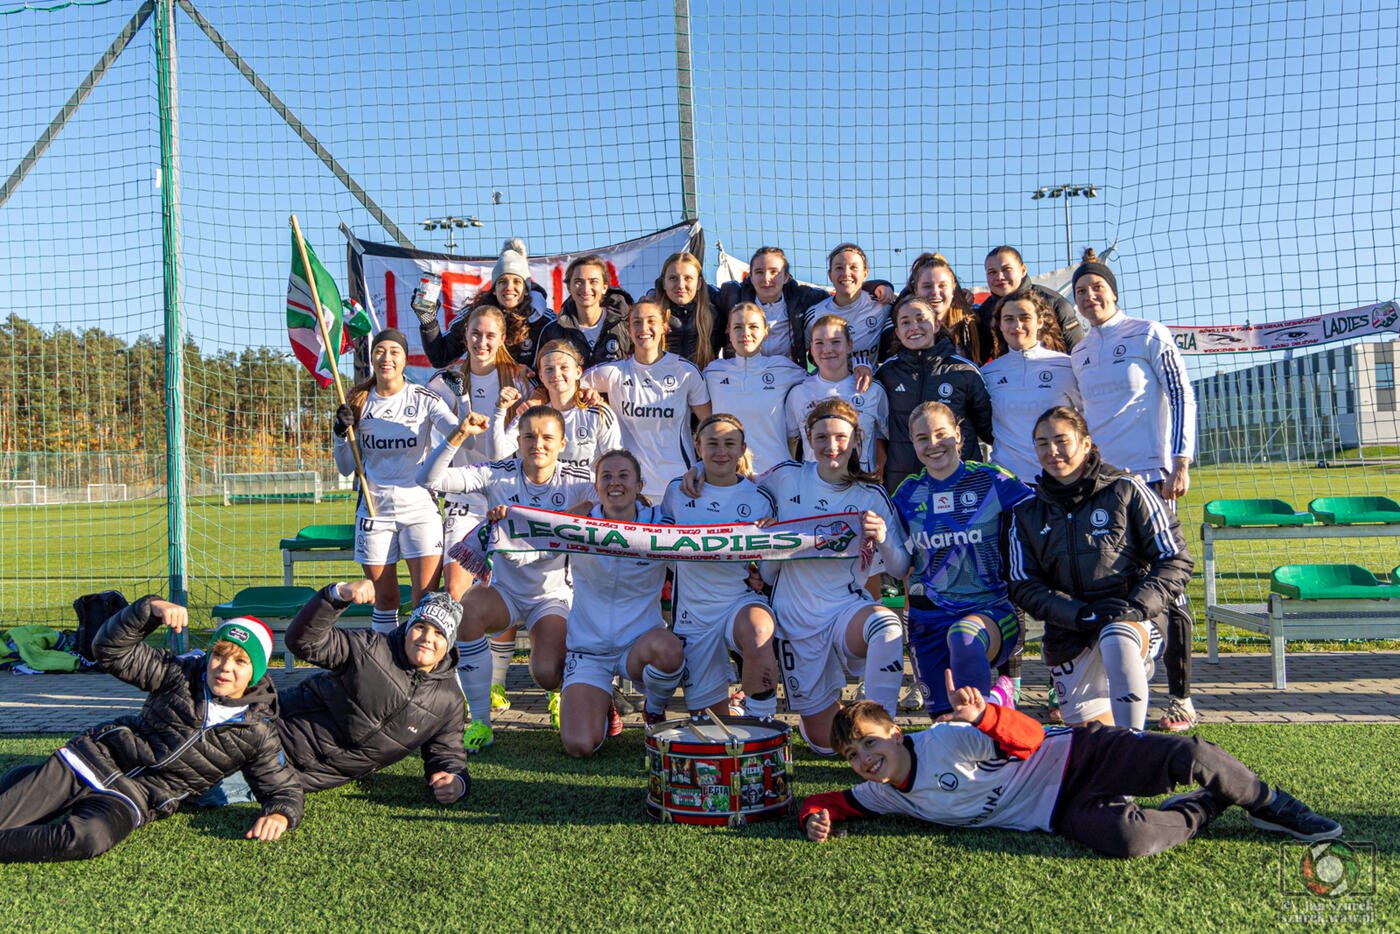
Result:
x=720 y=723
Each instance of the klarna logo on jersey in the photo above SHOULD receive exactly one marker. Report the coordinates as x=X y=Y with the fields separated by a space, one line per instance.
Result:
x=375 y=443
x=947 y=539
x=632 y=410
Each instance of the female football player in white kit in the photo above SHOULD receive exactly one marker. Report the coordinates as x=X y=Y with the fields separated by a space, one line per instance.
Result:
x=615 y=624
x=393 y=421
x=753 y=387
x=716 y=612
x=830 y=348
x=589 y=430
x=532 y=589
x=654 y=393
x=827 y=623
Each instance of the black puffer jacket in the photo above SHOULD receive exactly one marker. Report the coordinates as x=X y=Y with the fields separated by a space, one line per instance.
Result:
x=682 y=336
x=1107 y=536
x=371 y=707
x=614 y=342
x=938 y=374
x=443 y=349
x=164 y=754
x=797 y=298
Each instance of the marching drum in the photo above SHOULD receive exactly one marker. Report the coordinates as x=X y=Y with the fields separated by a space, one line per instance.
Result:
x=728 y=773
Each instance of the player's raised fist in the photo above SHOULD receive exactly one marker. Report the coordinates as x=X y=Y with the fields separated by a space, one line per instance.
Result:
x=344 y=419
x=967 y=702
x=508 y=397
x=172 y=614
x=360 y=591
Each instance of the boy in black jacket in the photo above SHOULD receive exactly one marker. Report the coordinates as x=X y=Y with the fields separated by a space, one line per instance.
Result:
x=206 y=716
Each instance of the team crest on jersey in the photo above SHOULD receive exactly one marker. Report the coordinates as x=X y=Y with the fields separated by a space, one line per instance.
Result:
x=943 y=502
x=668 y=382
x=768 y=379
x=411 y=410
x=1098 y=518
x=870 y=322
x=557 y=499
x=1046 y=376
x=583 y=433
x=948 y=781
x=833 y=536
x=1120 y=350
x=968 y=498
x=611 y=345
x=858 y=400
x=945 y=389
x=744 y=510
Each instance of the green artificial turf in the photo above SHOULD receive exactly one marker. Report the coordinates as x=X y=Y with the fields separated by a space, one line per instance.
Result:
x=546 y=842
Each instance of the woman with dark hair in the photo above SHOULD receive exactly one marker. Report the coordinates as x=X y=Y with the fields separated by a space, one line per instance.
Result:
x=1099 y=557
x=511 y=290
x=1006 y=277
x=931 y=278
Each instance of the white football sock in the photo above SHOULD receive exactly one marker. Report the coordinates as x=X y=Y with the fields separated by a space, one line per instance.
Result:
x=659 y=685
x=474 y=667
x=384 y=621
x=1120 y=644
x=884 y=659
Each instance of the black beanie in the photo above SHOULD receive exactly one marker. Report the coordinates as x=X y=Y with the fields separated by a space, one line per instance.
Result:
x=390 y=334
x=1095 y=268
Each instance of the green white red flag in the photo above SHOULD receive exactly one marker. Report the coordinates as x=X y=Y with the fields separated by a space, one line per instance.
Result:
x=345 y=321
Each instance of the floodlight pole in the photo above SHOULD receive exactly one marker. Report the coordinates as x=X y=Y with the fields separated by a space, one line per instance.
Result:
x=175 y=450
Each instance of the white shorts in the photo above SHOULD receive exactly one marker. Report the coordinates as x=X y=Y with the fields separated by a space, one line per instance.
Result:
x=381 y=542
x=1082 y=684
x=816 y=668
x=707 y=633
x=459 y=518
x=596 y=670
x=526 y=611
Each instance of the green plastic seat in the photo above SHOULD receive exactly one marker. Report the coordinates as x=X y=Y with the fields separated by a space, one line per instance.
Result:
x=1355 y=510
x=320 y=536
x=271 y=602
x=1246 y=512
x=1329 y=582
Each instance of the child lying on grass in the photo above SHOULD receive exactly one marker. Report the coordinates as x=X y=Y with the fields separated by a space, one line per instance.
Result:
x=206 y=716
x=995 y=767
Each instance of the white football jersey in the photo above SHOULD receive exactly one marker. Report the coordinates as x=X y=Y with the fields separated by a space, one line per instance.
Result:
x=872 y=408
x=961 y=779
x=394 y=434
x=714 y=582
x=588 y=432
x=868 y=320
x=616 y=600
x=482 y=393
x=755 y=390
x=805 y=589
x=529 y=574
x=1022 y=385
x=652 y=402
x=778 y=343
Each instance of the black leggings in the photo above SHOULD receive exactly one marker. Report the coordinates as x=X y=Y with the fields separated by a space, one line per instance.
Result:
x=33 y=796
x=1107 y=764
x=1176 y=657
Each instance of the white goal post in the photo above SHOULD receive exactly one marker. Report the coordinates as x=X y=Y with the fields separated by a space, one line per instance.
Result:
x=23 y=493
x=107 y=493
x=286 y=486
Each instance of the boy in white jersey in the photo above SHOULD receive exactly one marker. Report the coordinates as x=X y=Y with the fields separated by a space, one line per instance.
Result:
x=615 y=626
x=589 y=430
x=393 y=422
x=831 y=351
x=869 y=321
x=827 y=623
x=754 y=386
x=532 y=589
x=654 y=393
x=995 y=767
x=716 y=611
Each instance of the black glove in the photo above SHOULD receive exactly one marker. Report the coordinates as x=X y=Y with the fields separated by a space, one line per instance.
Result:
x=426 y=315
x=344 y=420
x=1114 y=610
x=1086 y=619
x=453 y=380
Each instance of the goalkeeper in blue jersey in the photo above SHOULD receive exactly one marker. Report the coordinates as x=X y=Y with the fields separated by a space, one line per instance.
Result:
x=958 y=514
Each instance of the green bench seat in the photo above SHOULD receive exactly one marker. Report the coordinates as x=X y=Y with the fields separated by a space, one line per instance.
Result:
x=1235 y=513
x=1355 y=510
x=315 y=537
x=1329 y=582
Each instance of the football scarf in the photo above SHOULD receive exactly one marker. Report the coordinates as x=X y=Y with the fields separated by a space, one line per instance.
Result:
x=528 y=529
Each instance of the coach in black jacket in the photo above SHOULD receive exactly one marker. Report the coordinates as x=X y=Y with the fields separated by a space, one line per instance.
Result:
x=380 y=698
x=1079 y=549
x=935 y=374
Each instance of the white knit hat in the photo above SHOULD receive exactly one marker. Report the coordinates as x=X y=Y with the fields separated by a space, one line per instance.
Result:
x=514 y=261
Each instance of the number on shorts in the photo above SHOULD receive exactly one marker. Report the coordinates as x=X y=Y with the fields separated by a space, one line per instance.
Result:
x=785 y=654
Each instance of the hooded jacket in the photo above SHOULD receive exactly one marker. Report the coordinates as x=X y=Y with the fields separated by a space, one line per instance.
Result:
x=371 y=707
x=937 y=374
x=1106 y=536
x=614 y=342
x=164 y=754
x=443 y=349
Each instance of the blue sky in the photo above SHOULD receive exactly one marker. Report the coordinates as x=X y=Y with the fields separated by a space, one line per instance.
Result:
x=1245 y=152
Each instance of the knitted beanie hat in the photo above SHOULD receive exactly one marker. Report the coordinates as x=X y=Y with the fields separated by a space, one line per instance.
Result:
x=514 y=261
x=390 y=334
x=439 y=610
x=1093 y=266
x=252 y=636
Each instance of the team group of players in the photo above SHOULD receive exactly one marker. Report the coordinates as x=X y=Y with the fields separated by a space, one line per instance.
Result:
x=1003 y=458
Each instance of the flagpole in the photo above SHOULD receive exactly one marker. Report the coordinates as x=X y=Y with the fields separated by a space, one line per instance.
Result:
x=331 y=356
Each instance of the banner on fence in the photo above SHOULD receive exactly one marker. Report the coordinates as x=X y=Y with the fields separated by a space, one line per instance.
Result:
x=1282 y=335
x=385 y=276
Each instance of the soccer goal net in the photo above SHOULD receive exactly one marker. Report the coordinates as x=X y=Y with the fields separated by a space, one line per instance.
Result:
x=273 y=486
x=23 y=493
x=107 y=493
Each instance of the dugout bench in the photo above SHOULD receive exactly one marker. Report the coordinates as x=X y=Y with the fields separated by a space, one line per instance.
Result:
x=316 y=543
x=1306 y=601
